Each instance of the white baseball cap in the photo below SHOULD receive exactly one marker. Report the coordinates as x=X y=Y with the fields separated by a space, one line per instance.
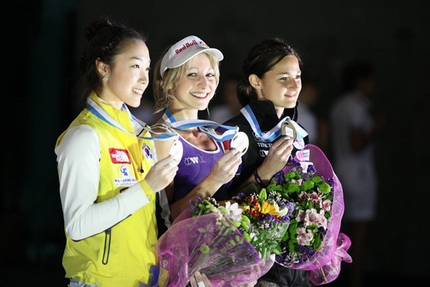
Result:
x=184 y=50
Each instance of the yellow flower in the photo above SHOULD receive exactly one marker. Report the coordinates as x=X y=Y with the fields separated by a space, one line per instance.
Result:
x=267 y=208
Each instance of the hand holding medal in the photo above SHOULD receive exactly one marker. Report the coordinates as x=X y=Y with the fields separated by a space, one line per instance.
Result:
x=293 y=130
x=240 y=142
x=288 y=129
x=176 y=151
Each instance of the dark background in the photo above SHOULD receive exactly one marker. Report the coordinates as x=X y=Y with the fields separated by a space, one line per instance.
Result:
x=42 y=41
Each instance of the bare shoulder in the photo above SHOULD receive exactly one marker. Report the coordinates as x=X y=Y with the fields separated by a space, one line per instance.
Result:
x=162 y=144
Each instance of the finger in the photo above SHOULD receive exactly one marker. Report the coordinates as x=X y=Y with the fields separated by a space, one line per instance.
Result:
x=286 y=142
x=197 y=280
x=281 y=140
x=232 y=156
x=168 y=161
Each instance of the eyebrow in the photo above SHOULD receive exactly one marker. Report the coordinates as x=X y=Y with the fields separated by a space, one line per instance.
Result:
x=137 y=58
x=288 y=73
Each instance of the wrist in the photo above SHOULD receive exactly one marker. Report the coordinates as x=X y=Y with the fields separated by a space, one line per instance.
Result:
x=262 y=183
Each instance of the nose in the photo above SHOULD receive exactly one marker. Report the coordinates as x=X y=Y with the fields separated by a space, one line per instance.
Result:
x=294 y=84
x=144 y=77
x=203 y=82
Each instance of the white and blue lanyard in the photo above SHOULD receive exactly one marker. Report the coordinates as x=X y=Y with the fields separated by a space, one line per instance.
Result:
x=205 y=126
x=138 y=125
x=275 y=132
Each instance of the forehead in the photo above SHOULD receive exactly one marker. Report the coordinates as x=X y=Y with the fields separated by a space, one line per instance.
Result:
x=290 y=62
x=200 y=59
x=135 y=49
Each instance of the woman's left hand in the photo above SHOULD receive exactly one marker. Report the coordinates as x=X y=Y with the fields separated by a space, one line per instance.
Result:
x=200 y=280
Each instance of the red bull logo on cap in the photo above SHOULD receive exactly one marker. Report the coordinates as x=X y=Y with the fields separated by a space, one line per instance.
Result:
x=190 y=44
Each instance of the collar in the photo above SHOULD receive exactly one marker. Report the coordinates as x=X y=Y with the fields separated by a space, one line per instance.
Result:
x=266 y=115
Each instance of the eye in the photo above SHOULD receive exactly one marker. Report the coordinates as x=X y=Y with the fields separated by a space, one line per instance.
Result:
x=192 y=75
x=283 y=78
x=298 y=77
x=137 y=66
x=210 y=75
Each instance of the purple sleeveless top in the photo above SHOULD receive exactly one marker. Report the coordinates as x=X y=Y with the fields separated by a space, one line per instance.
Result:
x=195 y=166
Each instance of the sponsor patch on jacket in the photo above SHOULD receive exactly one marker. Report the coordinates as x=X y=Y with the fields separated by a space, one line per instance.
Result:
x=126 y=179
x=119 y=156
x=147 y=152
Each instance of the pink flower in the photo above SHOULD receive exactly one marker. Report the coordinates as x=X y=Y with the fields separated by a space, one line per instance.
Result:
x=313 y=217
x=300 y=215
x=326 y=205
x=303 y=196
x=316 y=199
x=304 y=236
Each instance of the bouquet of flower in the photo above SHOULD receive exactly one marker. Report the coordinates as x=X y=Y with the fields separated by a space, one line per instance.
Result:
x=310 y=184
x=208 y=238
x=294 y=221
x=264 y=218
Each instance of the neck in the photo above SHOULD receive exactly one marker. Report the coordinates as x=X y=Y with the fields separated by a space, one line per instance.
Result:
x=184 y=114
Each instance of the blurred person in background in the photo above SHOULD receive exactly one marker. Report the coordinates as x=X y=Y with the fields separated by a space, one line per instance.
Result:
x=354 y=127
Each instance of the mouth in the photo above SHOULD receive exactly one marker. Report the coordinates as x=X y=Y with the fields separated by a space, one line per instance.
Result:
x=200 y=95
x=291 y=96
x=137 y=91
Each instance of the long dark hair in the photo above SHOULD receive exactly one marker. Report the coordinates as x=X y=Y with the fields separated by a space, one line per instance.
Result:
x=106 y=39
x=261 y=59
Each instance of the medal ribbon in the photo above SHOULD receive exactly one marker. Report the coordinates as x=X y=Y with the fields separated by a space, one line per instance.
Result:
x=205 y=126
x=275 y=132
x=138 y=125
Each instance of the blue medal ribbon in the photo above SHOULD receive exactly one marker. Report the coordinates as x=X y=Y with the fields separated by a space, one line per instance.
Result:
x=205 y=126
x=138 y=125
x=275 y=132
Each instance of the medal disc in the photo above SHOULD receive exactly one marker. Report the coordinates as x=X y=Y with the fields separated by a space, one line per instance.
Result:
x=287 y=129
x=240 y=142
x=176 y=150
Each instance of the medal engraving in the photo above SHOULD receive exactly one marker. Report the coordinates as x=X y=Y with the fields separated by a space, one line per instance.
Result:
x=176 y=150
x=287 y=129
x=240 y=142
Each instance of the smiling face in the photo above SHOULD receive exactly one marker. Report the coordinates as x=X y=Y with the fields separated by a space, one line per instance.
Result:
x=128 y=77
x=281 y=85
x=196 y=88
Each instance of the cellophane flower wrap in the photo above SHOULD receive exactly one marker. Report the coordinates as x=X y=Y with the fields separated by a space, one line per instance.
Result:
x=205 y=239
x=311 y=242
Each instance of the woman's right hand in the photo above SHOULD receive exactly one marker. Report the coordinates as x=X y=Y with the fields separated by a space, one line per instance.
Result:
x=199 y=280
x=226 y=166
x=162 y=173
x=277 y=158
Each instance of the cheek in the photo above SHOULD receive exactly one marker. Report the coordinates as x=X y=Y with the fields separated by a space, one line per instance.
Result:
x=213 y=85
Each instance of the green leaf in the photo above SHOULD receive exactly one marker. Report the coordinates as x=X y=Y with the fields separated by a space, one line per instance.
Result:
x=262 y=196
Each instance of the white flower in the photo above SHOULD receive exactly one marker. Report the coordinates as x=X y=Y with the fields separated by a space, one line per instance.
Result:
x=282 y=212
x=234 y=211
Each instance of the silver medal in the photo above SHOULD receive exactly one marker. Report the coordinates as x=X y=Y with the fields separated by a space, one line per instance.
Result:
x=287 y=129
x=176 y=150
x=240 y=142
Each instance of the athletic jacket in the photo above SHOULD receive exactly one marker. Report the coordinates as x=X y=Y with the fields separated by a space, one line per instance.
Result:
x=113 y=243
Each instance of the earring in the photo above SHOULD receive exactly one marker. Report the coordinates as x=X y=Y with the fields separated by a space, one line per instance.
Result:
x=105 y=78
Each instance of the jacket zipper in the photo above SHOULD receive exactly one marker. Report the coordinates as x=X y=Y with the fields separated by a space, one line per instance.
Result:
x=106 y=251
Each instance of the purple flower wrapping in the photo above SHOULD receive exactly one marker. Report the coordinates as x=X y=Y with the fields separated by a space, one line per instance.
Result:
x=211 y=244
x=325 y=262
